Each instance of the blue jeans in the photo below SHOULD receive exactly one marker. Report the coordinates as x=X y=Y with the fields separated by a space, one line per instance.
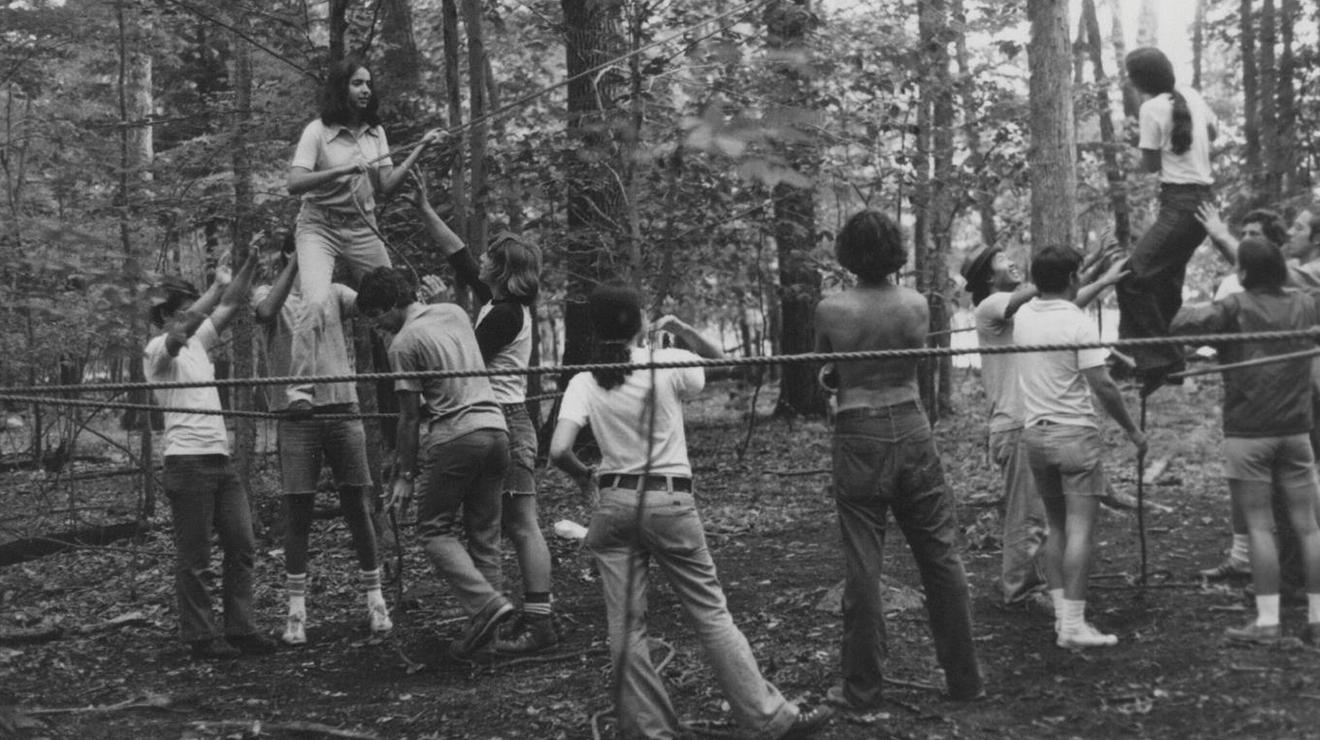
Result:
x=885 y=460
x=464 y=483
x=305 y=447
x=1024 y=518
x=205 y=492
x=1149 y=297
x=669 y=531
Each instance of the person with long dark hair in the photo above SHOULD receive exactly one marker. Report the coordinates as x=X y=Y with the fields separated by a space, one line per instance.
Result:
x=1176 y=128
x=646 y=511
x=342 y=161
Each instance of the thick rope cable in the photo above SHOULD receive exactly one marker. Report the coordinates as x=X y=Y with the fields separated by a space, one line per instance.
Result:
x=49 y=401
x=808 y=357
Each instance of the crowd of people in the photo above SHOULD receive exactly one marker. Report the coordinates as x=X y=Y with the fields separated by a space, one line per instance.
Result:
x=465 y=447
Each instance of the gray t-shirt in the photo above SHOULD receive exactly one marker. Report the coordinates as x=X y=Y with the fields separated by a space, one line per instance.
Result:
x=332 y=357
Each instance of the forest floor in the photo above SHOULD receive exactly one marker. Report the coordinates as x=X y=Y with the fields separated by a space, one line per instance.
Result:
x=772 y=528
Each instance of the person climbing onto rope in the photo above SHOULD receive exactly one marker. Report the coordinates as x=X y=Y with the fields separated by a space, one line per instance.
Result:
x=467 y=447
x=305 y=445
x=885 y=460
x=995 y=282
x=1267 y=422
x=341 y=162
x=506 y=284
x=1062 y=437
x=201 y=484
x=1176 y=128
x=645 y=510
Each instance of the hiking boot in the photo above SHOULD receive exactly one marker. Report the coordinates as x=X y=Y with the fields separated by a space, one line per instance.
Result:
x=481 y=628
x=535 y=634
x=214 y=648
x=1085 y=636
x=253 y=644
x=378 y=618
x=1255 y=633
x=1228 y=570
x=295 y=629
x=808 y=723
x=836 y=697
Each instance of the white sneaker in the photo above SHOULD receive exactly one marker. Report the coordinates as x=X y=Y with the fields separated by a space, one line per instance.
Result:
x=378 y=616
x=1085 y=636
x=295 y=629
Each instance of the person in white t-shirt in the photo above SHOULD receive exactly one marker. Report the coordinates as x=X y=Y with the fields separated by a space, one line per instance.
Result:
x=646 y=511
x=1176 y=128
x=1062 y=437
x=201 y=484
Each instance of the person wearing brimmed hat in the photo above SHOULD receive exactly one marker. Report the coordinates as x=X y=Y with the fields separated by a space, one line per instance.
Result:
x=201 y=484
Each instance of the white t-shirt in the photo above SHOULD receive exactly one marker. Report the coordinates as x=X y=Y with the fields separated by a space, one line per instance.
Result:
x=617 y=419
x=999 y=372
x=1156 y=121
x=185 y=433
x=1051 y=383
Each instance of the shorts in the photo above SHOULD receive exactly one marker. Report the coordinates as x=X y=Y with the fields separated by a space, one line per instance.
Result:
x=1065 y=460
x=520 y=480
x=305 y=446
x=1285 y=461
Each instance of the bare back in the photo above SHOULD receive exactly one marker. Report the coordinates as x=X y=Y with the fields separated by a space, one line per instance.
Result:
x=873 y=317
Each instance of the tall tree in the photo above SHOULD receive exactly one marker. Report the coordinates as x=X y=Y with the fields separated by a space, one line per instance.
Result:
x=1270 y=182
x=1053 y=139
x=1251 y=150
x=241 y=327
x=1287 y=159
x=1109 y=144
x=479 y=129
x=985 y=185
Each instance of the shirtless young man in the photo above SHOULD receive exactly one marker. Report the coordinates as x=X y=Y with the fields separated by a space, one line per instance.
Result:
x=885 y=459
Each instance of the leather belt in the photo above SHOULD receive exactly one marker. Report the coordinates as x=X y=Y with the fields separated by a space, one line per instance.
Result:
x=674 y=483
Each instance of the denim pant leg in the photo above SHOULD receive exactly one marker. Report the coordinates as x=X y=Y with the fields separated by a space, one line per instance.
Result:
x=233 y=521
x=455 y=470
x=677 y=542
x=642 y=704
x=483 y=508
x=923 y=508
x=1024 y=518
x=192 y=494
x=1151 y=295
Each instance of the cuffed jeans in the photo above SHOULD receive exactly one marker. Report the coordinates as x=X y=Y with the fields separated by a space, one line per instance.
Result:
x=885 y=459
x=321 y=236
x=204 y=491
x=464 y=483
x=1151 y=294
x=1024 y=517
x=669 y=531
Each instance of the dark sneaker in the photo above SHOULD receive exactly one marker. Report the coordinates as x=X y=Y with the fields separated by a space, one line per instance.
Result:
x=835 y=697
x=300 y=410
x=253 y=644
x=1254 y=633
x=215 y=648
x=808 y=723
x=481 y=628
x=1228 y=570
x=535 y=634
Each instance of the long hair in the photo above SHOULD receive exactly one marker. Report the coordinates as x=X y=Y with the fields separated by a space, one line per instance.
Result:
x=1262 y=264
x=517 y=266
x=336 y=110
x=1152 y=73
x=616 y=317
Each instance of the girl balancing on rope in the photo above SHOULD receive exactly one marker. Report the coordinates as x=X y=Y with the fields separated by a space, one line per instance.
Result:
x=1176 y=128
x=341 y=162
x=646 y=511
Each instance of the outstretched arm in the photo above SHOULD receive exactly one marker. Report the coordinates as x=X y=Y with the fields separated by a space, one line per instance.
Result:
x=269 y=308
x=391 y=176
x=700 y=345
x=1088 y=293
x=184 y=325
x=236 y=294
x=1224 y=242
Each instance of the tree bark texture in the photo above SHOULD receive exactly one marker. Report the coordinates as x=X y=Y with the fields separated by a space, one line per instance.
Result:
x=1250 y=95
x=1287 y=162
x=1271 y=187
x=1052 y=157
x=1109 y=144
x=245 y=437
x=985 y=185
x=479 y=130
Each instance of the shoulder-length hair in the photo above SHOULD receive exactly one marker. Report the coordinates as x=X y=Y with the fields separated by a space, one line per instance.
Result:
x=1152 y=73
x=336 y=110
x=870 y=246
x=517 y=267
x=616 y=317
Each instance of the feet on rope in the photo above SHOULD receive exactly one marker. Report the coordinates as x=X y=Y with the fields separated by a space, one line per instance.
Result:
x=295 y=629
x=1255 y=634
x=1154 y=378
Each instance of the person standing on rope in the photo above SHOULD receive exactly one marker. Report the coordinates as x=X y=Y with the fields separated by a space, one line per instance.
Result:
x=1062 y=437
x=885 y=460
x=645 y=510
x=995 y=282
x=506 y=284
x=305 y=445
x=467 y=447
x=1267 y=422
x=201 y=484
x=1176 y=128
x=342 y=161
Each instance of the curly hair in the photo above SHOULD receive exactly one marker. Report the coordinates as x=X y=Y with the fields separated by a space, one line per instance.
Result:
x=384 y=289
x=1152 y=73
x=517 y=266
x=1270 y=224
x=335 y=107
x=616 y=317
x=870 y=246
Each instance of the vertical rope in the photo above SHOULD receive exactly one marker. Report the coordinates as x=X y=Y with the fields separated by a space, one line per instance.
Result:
x=1141 y=495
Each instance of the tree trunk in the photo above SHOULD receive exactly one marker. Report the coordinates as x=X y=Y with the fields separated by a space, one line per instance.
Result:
x=1286 y=164
x=338 y=29
x=1052 y=158
x=1116 y=34
x=245 y=436
x=454 y=99
x=479 y=130
x=1250 y=98
x=1109 y=144
x=1271 y=187
x=788 y=24
x=985 y=184
x=399 y=58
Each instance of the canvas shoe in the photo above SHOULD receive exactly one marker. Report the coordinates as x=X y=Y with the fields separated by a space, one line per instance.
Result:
x=1227 y=570
x=378 y=618
x=1255 y=634
x=1085 y=636
x=481 y=628
x=295 y=629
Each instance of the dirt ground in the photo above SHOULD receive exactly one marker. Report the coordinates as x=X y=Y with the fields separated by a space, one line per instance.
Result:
x=773 y=531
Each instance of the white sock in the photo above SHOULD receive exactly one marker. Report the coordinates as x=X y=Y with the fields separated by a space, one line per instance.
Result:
x=1241 y=551
x=1313 y=608
x=296 y=585
x=1074 y=614
x=1267 y=610
x=370 y=580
